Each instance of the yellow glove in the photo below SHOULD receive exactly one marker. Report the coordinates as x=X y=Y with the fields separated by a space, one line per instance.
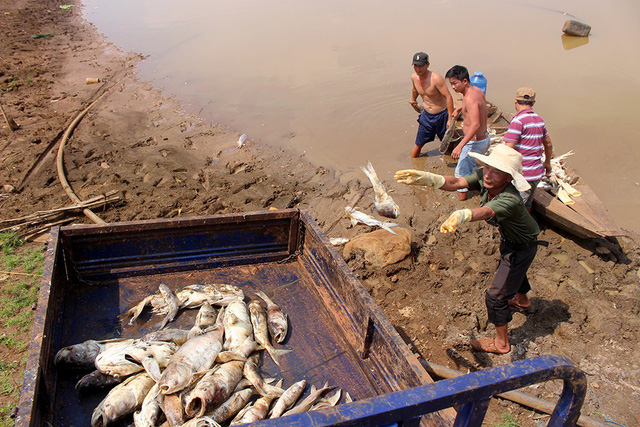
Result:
x=454 y=220
x=416 y=177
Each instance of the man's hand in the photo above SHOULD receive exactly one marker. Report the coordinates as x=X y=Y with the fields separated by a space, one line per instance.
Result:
x=454 y=220
x=415 y=105
x=547 y=168
x=455 y=154
x=416 y=177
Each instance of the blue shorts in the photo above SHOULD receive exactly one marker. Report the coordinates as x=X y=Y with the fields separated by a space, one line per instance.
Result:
x=431 y=125
x=466 y=163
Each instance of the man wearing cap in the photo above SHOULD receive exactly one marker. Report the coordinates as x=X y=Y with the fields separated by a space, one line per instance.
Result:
x=474 y=111
x=437 y=104
x=499 y=182
x=528 y=134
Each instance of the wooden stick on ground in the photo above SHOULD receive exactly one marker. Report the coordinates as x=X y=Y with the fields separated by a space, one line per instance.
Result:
x=13 y=126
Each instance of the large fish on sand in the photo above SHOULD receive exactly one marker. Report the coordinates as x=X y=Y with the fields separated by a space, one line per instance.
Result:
x=383 y=202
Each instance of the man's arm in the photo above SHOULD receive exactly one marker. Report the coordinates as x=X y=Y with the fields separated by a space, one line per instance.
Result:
x=414 y=97
x=484 y=212
x=548 y=153
x=512 y=136
x=451 y=183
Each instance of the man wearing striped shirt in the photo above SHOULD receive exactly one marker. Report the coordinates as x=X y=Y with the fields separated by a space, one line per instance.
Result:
x=528 y=134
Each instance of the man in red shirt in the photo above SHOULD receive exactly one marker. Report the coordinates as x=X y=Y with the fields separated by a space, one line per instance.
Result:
x=528 y=134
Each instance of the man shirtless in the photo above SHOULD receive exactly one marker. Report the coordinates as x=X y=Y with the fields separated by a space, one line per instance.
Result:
x=474 y=111
x=437 y=103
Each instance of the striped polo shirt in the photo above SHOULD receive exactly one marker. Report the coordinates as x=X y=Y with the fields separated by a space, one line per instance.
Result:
x=527 y=130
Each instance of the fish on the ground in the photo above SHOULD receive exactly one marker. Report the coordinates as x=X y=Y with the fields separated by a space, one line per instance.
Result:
x=277 y=320
x=356 y=216
x=260 y=330
x=382 y=201
x=288 y=398
x=122 y=400
x=196 y=355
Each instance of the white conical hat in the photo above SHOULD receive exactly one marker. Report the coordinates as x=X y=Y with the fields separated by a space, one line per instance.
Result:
x=506 y=159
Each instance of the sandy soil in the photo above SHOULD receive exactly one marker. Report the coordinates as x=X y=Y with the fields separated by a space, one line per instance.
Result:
x=165 y=163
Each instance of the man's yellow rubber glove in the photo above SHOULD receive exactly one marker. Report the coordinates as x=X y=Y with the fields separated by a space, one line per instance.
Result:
x=416 y=177
x=454 y=220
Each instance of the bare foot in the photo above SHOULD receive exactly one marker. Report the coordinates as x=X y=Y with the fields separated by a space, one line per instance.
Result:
x=520 y=302
x=488 y=345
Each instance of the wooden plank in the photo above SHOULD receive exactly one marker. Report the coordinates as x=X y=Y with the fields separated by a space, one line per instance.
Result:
x=592 y=207
x=562 y=216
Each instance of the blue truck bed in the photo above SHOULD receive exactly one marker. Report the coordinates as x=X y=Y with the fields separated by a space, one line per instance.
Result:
x=93 y=273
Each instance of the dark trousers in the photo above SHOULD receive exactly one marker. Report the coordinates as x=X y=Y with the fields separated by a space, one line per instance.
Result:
x=511 y=278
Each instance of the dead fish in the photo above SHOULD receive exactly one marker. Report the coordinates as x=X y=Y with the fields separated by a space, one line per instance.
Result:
x=327 y=401
x=177 y=336
x=135 y=357
x=250 y=372
x=201 y=422
x=308 y=402
x=84 y=354
x=288 y=398
x=277 y=321
x=205 y=320
x=96 y=380
x=196 y=355
x=192 y=296
x=173 y=407
x=256 y=412
x=237 y=325
x=218 y=384
x=230 y=407
x=356 y=216
x=383 y=202
x=122 y=400
x=261 y=332
x=150 y=411
x=172 y=302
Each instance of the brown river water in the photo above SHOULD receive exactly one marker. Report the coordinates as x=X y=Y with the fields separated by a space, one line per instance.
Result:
x=331 y=78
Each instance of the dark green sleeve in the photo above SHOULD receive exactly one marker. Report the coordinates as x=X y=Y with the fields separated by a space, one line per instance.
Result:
x=474 y=179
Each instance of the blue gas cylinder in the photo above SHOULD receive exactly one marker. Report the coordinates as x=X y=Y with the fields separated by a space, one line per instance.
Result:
x=479 y=81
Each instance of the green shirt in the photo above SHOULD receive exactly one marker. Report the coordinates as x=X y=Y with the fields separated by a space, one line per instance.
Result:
x=515 y=223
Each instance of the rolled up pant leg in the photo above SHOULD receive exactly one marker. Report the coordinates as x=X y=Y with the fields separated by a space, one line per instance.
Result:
x=511 y=278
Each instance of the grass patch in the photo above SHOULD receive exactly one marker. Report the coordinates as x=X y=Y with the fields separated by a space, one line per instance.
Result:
x=507 y=421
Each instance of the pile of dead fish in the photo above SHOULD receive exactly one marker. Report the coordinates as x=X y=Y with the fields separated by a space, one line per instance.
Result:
x=204 y=376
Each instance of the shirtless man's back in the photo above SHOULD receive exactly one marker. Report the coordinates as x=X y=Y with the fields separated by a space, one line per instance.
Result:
x=437 y=103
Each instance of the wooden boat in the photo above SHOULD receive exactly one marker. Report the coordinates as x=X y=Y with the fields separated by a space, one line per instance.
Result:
x=586 y=218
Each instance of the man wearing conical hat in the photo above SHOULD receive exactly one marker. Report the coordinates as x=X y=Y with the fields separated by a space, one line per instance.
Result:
x=499 y=181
